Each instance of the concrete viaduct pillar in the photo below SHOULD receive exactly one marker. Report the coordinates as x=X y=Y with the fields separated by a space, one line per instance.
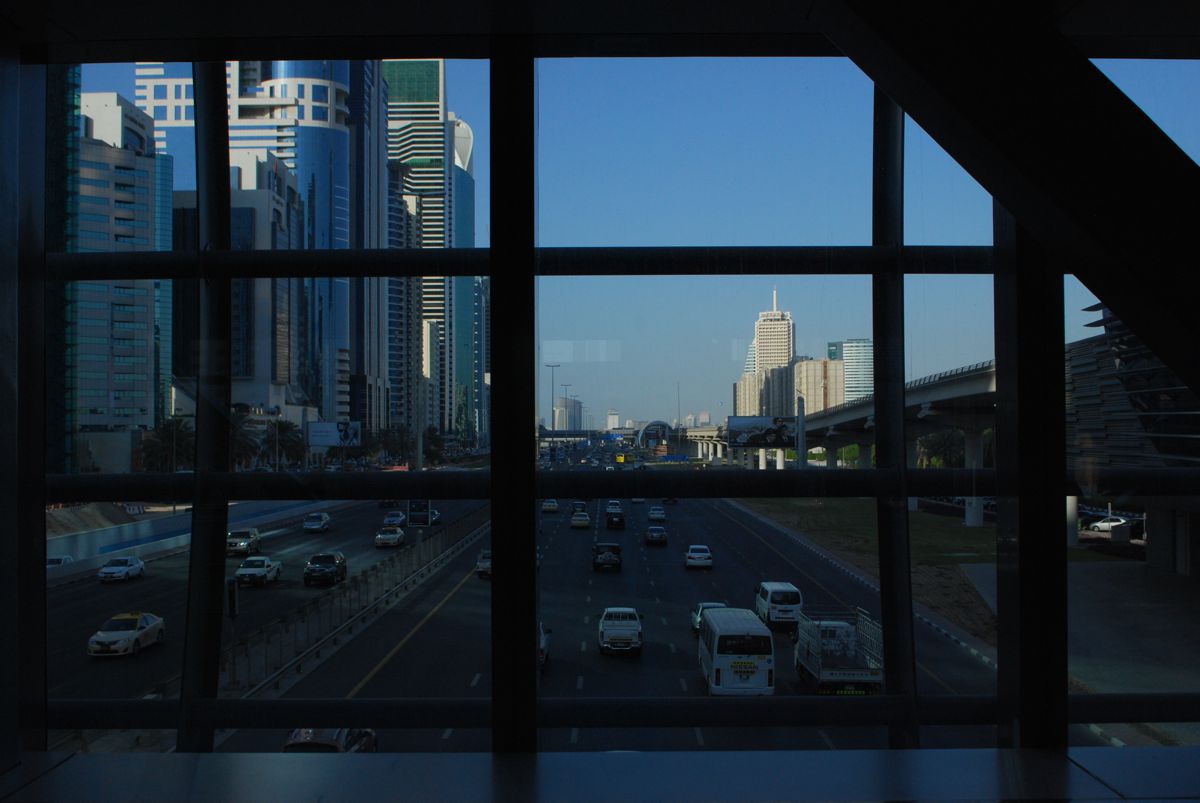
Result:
x=762 y=458
x=779 y=459
x=973 y=454
x=910 y=460
x=864 y=455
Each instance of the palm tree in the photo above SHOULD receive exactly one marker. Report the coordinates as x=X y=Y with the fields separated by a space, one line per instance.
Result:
x=283 y=443
x=243 y=442
x=170 y=447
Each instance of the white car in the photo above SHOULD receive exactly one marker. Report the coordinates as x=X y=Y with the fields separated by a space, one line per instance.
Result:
x=698 y=556
x=549 y=505
x=581 y=520
x=699 y=611
x=258 y=570
x=121 y=569
x=1106 y=524
x=127 y=633
x=316 y=522
x=483 y=564
x=613 y=506
x=56 y=562
x=389 y=536
x=619 y=630
x=394 y=519
x=656 y=513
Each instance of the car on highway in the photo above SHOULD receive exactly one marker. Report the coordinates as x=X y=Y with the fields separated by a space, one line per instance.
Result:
x=613 y=506
x=127 y=633
x=638 y=500
x=435 y=518
x=242 y=542
x=1106 y=524
x=579 y=505
x=59 y=561
x=606 y=555
x=316 y=522
x=670 y=500
x=258 y=570
x=778 y=604
x=609 y=468
x=580 y=520
x=483 y=564
x=549 y=505
x=698 y=556
x=655 y=536
x=125 y=568
x=325 y=567
x=389 y=536
x=656 y=513
x=614 y=520
x=699 y=610
x=331 y=740
x=619 y=630
x=394 y=519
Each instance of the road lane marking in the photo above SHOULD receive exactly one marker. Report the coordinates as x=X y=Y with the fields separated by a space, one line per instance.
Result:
x=574 y=735
x=588 y=598
x=652 y=584
x=683 y=685
x=657 y=601
x=583 y=646
x=664 y=619
x=475 y=680
x=699 y=737
x=392 y=653
x=446 y=733
x=585 y=619
x=828 y=742
x=672 y=646
x=936 y=679
x=579 y=682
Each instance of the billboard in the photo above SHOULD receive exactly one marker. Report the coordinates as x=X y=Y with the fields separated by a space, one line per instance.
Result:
x=335 y=433
x=762 y=431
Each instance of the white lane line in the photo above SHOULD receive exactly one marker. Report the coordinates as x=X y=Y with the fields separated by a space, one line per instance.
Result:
x=446 y=733
x=589 y=598
x=647 y=570
x=672 y=646
x=579 y=683
x=699 y=737
x=683 y=686
x=583 y=646
x=585 y=619
x=475 y=680
x=589 y=582
x=828 y=742
x=664 y=619
x=652 y=584
x=574 y=735
x=657 y=601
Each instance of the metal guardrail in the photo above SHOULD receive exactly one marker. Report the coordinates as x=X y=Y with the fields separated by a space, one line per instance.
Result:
x=932 y=379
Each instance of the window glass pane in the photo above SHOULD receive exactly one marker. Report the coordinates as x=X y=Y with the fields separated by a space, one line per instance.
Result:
x=344 y=600
x=639 y=152
x=943 y=205
x=665 y=378
x=624 y=608
x=1167 y=90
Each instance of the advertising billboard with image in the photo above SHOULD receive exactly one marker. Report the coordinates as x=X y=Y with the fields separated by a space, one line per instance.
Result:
x=762 y=431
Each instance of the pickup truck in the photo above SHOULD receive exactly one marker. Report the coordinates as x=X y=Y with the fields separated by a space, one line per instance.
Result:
x=483 y=565
x=606 y=556
x=839 y=652
x=619 y=630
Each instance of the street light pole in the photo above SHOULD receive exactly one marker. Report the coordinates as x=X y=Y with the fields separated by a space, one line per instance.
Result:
x=801 y=438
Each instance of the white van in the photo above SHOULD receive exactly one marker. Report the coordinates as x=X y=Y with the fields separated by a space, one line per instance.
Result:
x=736 y=652
x=778 y=604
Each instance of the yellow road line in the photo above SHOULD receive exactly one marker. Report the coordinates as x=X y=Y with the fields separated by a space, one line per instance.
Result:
x=392 y=653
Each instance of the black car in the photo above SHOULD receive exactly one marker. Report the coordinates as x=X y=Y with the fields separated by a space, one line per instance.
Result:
x=614 y=521
x=606 y=556
x=325 y=567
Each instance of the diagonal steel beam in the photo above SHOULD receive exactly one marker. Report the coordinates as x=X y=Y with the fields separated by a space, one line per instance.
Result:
x=1074 y=160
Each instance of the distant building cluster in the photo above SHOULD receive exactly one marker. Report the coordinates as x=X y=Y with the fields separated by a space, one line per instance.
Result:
x=323 y=155
x=774 y=378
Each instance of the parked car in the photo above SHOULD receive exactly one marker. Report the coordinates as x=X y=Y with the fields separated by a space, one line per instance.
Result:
x=331 y=740
x=127 y=633
x=394 y=519
x=698 y=556
x=1106 y=524
x=389 y=536
x=316 y=522
x=325 y=567
x=121 y=569
x=258 y=570
x=242 y=542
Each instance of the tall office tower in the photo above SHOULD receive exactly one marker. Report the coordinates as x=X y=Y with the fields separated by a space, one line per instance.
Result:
x=116 y=373
x=748 y=366
x=266 y=213
x=613 y=420
x=164 y=91
x=747 y=394
x=820 y=382
x=404 y=321
x=858 y=357
x=370 y=211
x=299 y=112
x=430 y=405
x=773 y=337
x=568 y=413
x=462 y=184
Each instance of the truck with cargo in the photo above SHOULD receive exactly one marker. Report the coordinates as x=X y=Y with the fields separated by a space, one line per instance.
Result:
x=839 y=652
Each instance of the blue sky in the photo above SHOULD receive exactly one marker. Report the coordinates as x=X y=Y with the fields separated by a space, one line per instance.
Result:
x=737 y=152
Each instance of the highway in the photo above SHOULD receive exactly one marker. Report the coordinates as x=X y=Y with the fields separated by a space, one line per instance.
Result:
x=74 y=611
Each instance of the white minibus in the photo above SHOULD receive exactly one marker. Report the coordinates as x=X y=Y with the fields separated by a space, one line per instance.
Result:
x=737 y=653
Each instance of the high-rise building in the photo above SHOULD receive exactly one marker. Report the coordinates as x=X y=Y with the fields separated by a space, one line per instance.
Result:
x=568 y=413
x=858 y=357
x=774 y=337
x=613 y=420
x=703 y=419
x=748 y=366
x=820 y=382
x=121 y=330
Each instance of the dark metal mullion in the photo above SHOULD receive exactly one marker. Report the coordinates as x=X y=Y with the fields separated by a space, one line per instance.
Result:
x=30 y=421
x=210 y=505
x=514 y=593
x=887 y=289
x=1030 y=457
